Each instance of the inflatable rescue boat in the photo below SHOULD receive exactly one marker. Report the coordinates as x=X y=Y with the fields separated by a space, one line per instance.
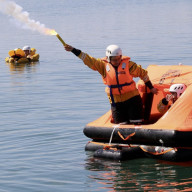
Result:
x=165 y=136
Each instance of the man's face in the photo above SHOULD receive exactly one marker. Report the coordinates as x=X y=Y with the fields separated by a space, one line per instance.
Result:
x=174 y=96
x=27 y=52
x=115 y=60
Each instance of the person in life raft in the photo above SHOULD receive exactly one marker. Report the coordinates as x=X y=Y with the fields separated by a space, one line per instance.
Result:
x=117 y=72
x=30 y=53
x=175 y=92
x=24 y=55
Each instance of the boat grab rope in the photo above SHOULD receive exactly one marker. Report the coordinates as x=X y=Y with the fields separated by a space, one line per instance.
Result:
x=107 y=147
x=116 y=147
x=120 y=135
x=128 y=137
x=156 y=153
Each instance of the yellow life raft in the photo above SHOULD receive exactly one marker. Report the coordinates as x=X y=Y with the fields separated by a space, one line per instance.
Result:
x=18 y=56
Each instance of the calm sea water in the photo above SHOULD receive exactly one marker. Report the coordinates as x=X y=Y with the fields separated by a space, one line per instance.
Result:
x=45 y=106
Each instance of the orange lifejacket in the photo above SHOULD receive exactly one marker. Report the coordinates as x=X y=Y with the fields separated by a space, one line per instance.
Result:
x=17 y=53
x=118 y=81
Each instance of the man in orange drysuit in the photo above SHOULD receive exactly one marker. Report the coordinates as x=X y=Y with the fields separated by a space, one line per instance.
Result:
x=117 y=72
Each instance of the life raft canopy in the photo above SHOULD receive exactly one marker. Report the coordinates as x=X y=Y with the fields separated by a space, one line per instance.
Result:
x=18 y=56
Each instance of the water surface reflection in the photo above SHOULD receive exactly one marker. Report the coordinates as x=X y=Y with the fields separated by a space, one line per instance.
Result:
x=19 y=68
x=139 y=175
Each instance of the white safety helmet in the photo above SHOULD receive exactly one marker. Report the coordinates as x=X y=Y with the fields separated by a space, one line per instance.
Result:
x=113 y=50
x=26 y=48
x=177 y=88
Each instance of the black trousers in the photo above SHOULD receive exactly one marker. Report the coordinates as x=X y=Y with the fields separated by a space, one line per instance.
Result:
x=129 y=111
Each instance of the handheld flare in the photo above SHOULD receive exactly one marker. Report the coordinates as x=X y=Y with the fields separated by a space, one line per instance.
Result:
x=60 y=39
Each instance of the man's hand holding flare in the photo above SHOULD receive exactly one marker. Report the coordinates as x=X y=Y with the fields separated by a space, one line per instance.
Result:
x=68 y=47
